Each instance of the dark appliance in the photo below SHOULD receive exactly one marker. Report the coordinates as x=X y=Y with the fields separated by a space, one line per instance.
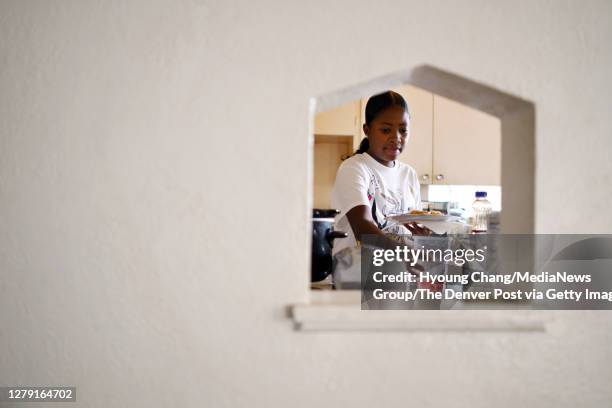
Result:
x=323 y=236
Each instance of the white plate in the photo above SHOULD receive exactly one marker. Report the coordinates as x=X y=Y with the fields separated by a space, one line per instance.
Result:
x=405 y=218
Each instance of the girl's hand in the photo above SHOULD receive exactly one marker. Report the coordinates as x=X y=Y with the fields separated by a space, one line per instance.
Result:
x=418 y=229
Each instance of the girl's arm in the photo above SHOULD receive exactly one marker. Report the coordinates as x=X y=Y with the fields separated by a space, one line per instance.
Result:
x=361 y=221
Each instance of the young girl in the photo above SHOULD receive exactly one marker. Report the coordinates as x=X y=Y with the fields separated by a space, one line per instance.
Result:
x=372 y=184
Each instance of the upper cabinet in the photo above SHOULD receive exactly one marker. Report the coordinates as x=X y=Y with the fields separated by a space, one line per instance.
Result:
x=466 y=145
x=341 y=121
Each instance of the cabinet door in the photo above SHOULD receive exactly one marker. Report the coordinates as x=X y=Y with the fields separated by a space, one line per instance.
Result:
x=418 y=149
x=466 y=145
x=343 y=120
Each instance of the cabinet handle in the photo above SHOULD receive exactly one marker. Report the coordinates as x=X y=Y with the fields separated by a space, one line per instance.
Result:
x=425 y=177
x=440 y=177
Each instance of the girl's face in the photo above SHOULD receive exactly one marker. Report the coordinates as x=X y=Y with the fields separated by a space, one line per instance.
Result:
x=387 y=134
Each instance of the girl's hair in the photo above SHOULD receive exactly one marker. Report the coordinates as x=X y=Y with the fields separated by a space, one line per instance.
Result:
x=376 y=104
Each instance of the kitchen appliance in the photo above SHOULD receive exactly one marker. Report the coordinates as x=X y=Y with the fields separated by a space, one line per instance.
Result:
x=443 y=206
x=323 y=236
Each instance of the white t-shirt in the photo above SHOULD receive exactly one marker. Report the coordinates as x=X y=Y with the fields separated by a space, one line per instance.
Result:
x=361 y=180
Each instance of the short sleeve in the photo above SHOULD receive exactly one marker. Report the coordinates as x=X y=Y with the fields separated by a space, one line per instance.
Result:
x=350 y=188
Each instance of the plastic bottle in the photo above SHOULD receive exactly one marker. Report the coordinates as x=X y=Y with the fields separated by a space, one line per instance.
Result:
x=481 y=209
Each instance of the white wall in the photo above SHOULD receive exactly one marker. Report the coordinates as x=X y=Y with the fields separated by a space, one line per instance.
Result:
x=153 y=214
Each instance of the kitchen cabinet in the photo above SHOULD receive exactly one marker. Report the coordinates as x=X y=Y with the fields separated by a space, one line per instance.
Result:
x=466 y=145
x=341 y=121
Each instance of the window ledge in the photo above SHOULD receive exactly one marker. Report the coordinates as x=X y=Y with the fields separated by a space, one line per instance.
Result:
x=341 y=311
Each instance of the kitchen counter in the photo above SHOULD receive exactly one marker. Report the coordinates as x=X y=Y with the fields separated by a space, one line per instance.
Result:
x=325 y=284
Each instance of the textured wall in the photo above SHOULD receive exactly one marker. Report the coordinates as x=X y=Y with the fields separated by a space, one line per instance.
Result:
x=153 y=214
